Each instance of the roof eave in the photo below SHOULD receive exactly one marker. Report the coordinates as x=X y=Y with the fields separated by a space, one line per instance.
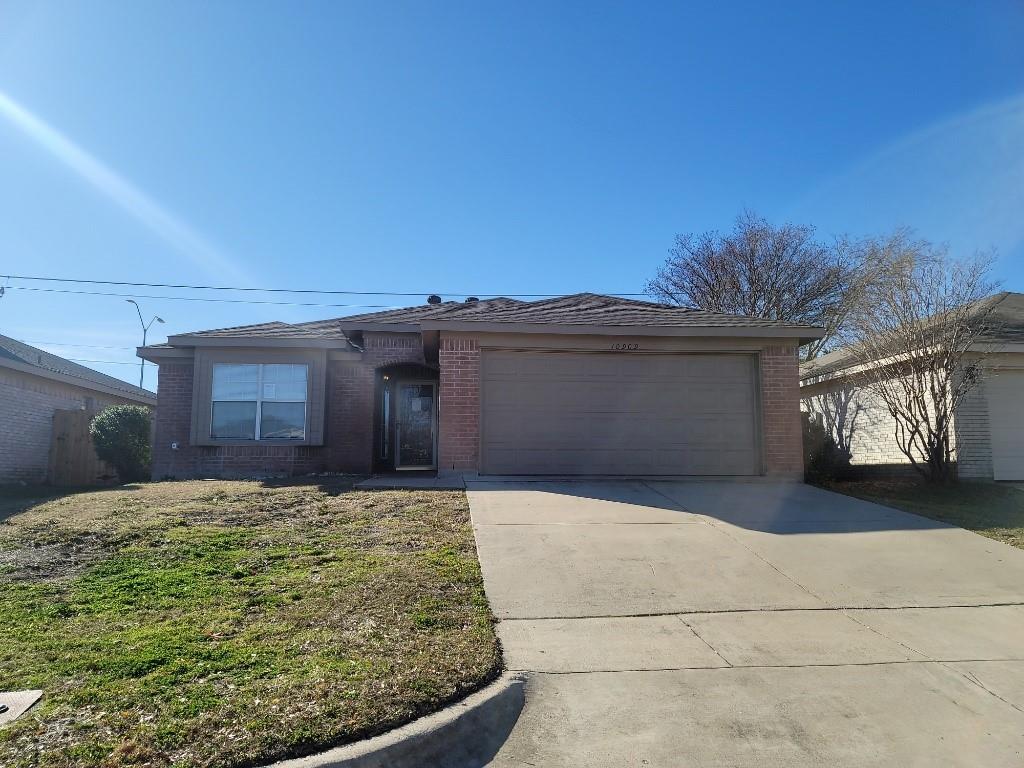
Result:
x=315 y=342
x=804 y=334
x=380 y=327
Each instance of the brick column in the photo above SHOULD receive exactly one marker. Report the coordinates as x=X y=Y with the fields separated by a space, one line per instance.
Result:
x=780 y=412
x=173 y=422
x=459 y=407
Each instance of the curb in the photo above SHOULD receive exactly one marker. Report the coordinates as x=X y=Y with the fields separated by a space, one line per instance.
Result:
x=464 y=735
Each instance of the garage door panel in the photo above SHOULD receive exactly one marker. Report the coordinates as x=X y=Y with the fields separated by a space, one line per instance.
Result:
x=578 y=413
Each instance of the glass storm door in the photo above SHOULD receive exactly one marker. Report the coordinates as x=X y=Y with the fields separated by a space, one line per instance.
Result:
x=416 y=426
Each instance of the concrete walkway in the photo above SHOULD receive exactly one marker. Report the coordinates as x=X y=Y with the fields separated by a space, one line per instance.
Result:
x=749 y=624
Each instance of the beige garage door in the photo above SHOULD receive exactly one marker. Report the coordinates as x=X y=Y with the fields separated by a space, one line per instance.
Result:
x=1006 y=424
x=622 y=413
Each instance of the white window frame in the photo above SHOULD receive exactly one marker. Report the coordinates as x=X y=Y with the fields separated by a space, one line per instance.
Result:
x=259 y=405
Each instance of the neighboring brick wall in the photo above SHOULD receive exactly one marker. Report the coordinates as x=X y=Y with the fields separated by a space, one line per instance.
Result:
x=973 y=437
x=873 y=443
x=348 y=428
x=874 y=438
x=27 y=404
x=780 y=411
x=459 y=408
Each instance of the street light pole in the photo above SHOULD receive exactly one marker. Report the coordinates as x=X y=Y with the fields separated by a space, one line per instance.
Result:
x=145 y=330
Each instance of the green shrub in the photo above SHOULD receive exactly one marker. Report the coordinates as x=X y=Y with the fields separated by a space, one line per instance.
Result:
x=121 y=436
x=823 y=459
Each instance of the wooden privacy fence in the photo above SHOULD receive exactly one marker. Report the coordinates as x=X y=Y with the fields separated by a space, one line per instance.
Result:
x=73 y=460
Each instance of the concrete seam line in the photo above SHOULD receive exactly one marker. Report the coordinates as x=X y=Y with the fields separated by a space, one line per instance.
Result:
x=466 y=734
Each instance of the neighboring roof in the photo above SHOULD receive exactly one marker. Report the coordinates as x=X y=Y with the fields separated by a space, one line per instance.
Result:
x=24 y=357
x=1004 y=314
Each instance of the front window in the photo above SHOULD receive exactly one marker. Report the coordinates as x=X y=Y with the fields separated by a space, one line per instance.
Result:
x=258 y=402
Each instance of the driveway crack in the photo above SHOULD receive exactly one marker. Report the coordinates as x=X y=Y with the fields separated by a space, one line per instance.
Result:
x=697 y=634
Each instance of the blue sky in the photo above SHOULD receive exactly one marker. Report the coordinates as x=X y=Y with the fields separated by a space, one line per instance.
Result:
x=481 y=147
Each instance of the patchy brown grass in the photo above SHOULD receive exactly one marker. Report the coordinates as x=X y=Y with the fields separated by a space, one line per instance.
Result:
x=993 y=510
x=233 y=623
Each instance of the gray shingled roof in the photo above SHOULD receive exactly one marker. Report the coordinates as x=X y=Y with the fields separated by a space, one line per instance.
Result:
x=443 y=311
x=19 y=352
x=273 y=330
x=595 y=309
x=1004 y=319
x=577 y=309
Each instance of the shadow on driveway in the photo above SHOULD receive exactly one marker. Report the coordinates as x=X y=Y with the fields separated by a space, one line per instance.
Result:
x=769 y=507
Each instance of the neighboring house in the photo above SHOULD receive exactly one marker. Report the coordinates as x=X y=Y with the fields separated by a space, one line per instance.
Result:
x=33 y=385
x=988 y=426
x=580 y=385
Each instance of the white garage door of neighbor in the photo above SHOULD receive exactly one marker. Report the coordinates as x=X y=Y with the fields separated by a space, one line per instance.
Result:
x=1006 y=424
x=580 y=413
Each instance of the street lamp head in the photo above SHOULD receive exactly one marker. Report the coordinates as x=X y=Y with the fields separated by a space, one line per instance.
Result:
x=159 y=319
x=132 y=301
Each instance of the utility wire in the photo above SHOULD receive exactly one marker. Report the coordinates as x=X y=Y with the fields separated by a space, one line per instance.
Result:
x=63 y=344
x=291 y=290
x=196 y=298
x=105 y=362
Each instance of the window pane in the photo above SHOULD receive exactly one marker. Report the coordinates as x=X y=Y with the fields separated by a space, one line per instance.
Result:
x=235 y=382
x=235 y=421
x=284 y=382
x=283 y=421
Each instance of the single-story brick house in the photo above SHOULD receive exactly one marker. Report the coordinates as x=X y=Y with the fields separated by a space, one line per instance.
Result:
x=574 y=385
x=988 y=427
x=34 y=385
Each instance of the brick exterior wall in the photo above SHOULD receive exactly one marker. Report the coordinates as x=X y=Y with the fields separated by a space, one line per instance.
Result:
x=459 y=407
x=27 y=404
x=348 y=428
x=780 y=412
x=874 y=445
x=349 y=413
x=351 y=387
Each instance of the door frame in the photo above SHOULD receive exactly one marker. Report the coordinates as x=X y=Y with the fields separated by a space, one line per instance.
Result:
x=396 y=414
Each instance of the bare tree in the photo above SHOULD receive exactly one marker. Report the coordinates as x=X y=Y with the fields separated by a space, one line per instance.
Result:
x=779 y=273
x=919 y=315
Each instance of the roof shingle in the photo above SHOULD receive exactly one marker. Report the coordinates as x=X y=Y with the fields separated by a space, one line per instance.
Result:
x=1004 y=324
x=19 y=352
x=577 y=309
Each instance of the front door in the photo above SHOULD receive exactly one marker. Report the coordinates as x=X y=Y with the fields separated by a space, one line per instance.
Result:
x=417 y=425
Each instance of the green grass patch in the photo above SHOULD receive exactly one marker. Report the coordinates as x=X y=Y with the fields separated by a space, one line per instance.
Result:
x=233 y=623
x=993 y=510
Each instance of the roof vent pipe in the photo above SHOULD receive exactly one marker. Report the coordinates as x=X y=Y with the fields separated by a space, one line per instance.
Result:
x=433 y=299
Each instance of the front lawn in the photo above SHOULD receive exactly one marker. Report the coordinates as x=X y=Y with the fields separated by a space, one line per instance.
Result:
x=216 y=623
x=996 y=511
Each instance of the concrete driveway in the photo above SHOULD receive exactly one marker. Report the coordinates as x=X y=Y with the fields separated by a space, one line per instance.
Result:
x=749 y=624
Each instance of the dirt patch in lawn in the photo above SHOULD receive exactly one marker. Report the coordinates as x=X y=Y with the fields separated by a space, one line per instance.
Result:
x=993 y=510
x=234 y=623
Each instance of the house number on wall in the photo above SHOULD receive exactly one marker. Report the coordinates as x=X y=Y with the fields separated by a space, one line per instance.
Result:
x=625 y=347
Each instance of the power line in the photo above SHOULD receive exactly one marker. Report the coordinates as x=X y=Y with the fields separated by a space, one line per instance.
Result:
x=63 y=344
x=105 y=362
x=289 y=290
x=196 y=298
